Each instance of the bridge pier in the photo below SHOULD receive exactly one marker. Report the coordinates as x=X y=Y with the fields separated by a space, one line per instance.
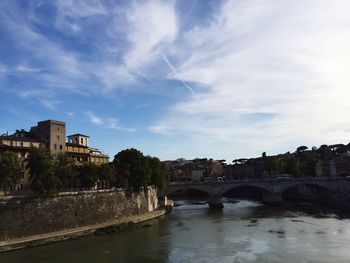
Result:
x=215 y=202
x=272 y=198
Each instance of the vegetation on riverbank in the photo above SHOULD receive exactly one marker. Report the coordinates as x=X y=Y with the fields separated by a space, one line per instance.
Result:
x=50 y=174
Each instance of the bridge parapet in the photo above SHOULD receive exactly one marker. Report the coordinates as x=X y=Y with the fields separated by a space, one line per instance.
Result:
x=272 y=189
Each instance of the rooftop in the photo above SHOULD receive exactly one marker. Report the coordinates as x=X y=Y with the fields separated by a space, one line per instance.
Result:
x=78 y=134
x=52 y=121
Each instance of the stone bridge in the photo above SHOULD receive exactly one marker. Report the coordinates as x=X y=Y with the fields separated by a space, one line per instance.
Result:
x=335 y=189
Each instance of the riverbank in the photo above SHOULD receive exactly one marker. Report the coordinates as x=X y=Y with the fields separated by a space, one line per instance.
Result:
x=37 y=240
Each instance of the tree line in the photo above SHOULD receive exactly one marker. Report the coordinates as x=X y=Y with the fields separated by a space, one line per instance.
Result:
x=50 y=174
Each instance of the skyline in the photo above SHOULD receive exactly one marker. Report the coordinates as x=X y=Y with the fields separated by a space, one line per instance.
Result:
x=176 y=79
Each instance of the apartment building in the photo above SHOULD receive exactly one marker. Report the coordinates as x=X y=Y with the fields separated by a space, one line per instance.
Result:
x=51 y=135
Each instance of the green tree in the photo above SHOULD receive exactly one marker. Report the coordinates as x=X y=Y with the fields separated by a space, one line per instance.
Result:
x=107 y=174
x=274 y=164
x=43 y=179
x=307 y=163
x=88 y=175
x=291 y=165
x=302 y=148
x=133 y=170
x=66 y=171
x=159 y=174
x=9 y=171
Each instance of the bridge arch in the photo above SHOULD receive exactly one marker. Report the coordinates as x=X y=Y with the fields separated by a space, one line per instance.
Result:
x=311 y=190
x=259 y=192
x=260 y=188
x=188 y=189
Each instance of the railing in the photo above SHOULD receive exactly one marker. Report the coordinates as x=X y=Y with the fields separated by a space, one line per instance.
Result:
x=266 y=180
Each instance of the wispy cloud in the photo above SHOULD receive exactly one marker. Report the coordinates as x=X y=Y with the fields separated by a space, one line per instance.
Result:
x=26 y=69
x=151 y=25
x=266 y=74
x=45 y=98
x=93 y=118
x=110 y=123
x=114 y=124
x=175 y=73
x=286 y=60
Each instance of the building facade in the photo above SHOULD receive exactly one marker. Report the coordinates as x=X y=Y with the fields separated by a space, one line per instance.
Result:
x=51 y=135
x=77 y=148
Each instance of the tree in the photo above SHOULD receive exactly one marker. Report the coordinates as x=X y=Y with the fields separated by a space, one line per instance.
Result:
x=291 y=165
x=159 y=174
x=106 y=174
x=302 y=148
x=274 y=164
x=44 y=181
x=307 y=163
x=132 y=167
x=88 y=175
x=66 y=171
x=9 y=171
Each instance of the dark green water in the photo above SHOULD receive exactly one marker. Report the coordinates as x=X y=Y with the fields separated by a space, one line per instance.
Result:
x=245 y=231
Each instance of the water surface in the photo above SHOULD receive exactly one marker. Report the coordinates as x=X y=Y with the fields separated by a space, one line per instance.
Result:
x=244 y=231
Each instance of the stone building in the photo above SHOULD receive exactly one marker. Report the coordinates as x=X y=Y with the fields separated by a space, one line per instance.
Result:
x=51 y=135
x=78 y=149
x=21 y=142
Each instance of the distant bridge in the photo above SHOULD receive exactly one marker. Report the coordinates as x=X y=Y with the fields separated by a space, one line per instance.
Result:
x=335 y=189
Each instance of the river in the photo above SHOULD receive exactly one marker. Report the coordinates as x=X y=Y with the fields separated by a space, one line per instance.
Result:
x=244 y=231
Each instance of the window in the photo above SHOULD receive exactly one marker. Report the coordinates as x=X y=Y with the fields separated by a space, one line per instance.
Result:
x=76 y=140
x=81 y=141
x=58 y=137
x=55 y=146
x=61 y=147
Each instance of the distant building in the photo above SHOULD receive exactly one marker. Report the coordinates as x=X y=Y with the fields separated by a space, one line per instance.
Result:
x=193 y=170
x=51 y=135
x=246 y=169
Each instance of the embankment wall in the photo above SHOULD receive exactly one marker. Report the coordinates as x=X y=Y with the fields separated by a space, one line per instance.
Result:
x=32 y=216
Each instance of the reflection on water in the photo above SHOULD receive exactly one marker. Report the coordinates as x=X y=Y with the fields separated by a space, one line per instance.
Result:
x=244 y=231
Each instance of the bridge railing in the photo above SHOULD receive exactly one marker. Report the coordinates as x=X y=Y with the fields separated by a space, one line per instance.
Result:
x=263 y=180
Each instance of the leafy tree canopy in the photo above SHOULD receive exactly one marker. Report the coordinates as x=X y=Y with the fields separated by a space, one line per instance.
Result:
x=44 y=181
x=9 y=170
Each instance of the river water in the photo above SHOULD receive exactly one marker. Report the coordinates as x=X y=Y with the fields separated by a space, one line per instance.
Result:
x=244 y=231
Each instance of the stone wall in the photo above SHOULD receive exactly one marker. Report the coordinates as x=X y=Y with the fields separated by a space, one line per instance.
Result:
x=27 y=217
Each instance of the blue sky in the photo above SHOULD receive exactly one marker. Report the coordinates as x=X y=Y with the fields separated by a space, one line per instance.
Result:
x=217 y=79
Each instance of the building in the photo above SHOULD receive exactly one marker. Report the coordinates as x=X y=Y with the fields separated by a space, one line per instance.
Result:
x=21 y=142
x=51 y=135
x=193 y=170
x=245 y=169
x=78 y=149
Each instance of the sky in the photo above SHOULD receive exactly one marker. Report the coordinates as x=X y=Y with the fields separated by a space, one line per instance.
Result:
x=179 y=79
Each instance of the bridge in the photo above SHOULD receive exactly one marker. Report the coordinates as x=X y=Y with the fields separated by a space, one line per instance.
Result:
x=327 y=189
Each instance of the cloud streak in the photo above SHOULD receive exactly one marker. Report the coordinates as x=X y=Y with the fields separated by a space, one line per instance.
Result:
x=287 y=62
x=109 y=123
x=175 y=72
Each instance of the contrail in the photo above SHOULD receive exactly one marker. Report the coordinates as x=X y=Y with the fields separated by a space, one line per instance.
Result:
x=175 y=72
